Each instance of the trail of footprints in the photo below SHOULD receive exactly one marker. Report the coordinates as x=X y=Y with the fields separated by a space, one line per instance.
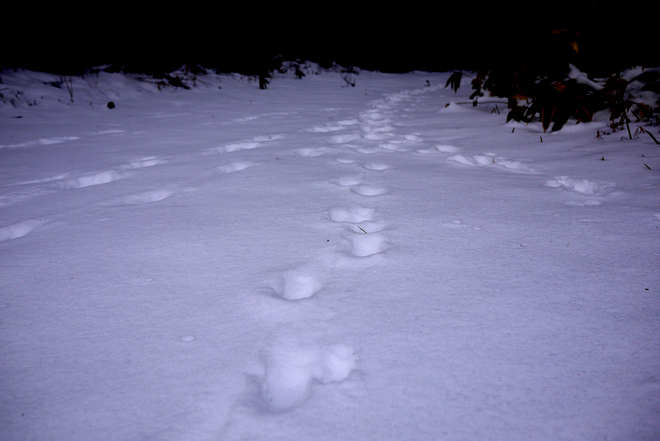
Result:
x=291 y=368
x=20 y=191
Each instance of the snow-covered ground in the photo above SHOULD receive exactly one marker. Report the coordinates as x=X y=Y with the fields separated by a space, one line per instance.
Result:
x=320 y=262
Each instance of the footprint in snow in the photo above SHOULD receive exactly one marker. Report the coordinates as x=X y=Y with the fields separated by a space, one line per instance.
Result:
x=40 y=181
x=249 y=144
x=339 y=125
x=369 y=190
x=98 y=178
x=267 y=138
x=311 y=152
x=107 y=176
x=324 y=129
x=352 y=214
x=582 y=186
x=376 y=166
x=245 y=119
x=412 y=138
x=439 y=149
x=583 y=203
x=140 y=198
x=367 y=227
x=246 y=145
x=368 y=150
x=42 y=141
x=375 y=136
x=290 y=370
x=393 y=146
x=149 y=161
x=374 y=115
x=376 y=128
x=235 y=166
x=342 y=139
x=491 y=160
x=297 y=284
x=346 y=181
x=457 y=224
x=19 y=229
x=109 y=132
x=363 y=244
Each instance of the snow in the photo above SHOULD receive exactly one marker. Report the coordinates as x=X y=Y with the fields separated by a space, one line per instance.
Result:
x=320 y=262
x=582 y=78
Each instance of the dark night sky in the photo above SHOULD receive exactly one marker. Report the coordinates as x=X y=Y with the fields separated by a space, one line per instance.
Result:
x=458 y=35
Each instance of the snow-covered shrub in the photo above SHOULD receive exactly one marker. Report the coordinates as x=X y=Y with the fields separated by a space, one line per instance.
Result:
x=549 y=86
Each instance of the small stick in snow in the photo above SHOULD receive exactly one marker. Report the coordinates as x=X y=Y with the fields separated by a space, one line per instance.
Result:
x=362 y=229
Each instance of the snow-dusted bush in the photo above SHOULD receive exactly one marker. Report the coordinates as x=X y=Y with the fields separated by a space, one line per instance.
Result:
x=547 y=85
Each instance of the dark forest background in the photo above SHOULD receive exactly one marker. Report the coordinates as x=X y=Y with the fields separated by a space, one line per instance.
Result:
x=443 y=36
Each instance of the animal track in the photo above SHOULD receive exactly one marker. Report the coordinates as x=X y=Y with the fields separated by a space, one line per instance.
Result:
x=368 y=190
x=144 y=162
x=311 y=152
x=297 y=284
x=97 y=178
x=340 y=125
x=342 y=139
x=267 y=138
x=376 y=166
x=490 y=160
x=458 y=224
x=352 y=214
x=235 y=166
x=141 y=198
x=19 y=229
x=249 y=144
x=367 y=150
x=346 y=181
x=363 y=245
x=371 y=136
x=582 y=186
x=367 y=227
x=584 y=203
x=246 y=145
x=439 y=149
x=291 y=369
x=42 y=141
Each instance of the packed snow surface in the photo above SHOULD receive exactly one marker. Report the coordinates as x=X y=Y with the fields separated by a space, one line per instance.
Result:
x=316 y=261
